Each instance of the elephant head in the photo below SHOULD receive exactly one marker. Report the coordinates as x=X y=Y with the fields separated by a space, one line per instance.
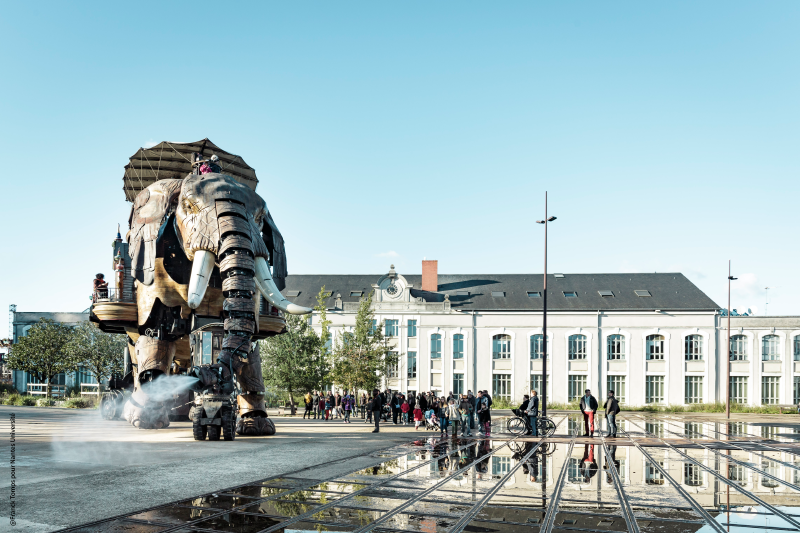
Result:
x=218 y=221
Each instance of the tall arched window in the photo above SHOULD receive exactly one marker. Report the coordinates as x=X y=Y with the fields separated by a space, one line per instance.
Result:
x=615 y=347
x=458 y=346
x=739 y=348
x=501 y=347
x=770 y=348
x=436 y=346
x=693 y=348
x=654 y=347
x=537 y=347
x=577 y=347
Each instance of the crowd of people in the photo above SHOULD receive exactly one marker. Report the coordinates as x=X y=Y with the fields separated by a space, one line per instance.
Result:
x=461 y=412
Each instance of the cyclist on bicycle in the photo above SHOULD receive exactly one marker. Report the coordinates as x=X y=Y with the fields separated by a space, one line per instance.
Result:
x=533 y=413
x=523 y=407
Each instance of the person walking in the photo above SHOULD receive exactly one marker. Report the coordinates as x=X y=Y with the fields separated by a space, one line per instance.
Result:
x=589 y=410
x=465 y=413
x=611 y=407
x=533 y=413
x=368 y=411
x=405 y=408
x=347 y=405
x=309 y=401
x=472 y=401
x=418 y=417
x=337 y=408
x=487 y=416
x=315 y=401
x=377 y=405
x=443 y=414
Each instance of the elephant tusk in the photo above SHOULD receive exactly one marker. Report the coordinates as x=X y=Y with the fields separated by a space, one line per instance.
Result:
x=202 y=266
x=267 y=288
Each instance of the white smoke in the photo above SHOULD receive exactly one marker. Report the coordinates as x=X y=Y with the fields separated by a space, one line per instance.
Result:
x=165 y=387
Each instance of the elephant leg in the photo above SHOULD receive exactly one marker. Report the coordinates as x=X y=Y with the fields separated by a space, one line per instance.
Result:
x=253 y=418
x=146 y=408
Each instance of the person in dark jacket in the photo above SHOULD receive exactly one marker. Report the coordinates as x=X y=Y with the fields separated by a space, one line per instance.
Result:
x=520 y=411
x=533 y=413
x=377 y=406
x=612 y=409
x=473 y=401
x=589 y=410
x=316 y=404
x=396 y=404
x=423 y=402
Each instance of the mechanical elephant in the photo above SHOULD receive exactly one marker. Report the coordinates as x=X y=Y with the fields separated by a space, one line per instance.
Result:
x=202 y=250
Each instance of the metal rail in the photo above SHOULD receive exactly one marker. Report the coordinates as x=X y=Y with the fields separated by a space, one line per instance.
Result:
x=710 y=520
x=386 y=516
x=733 y=443
x=627 y=512
x=371 y=486
x=707 y=421
x=555 y=500
x=470 y=515
x=742 y=463
x=725 y=480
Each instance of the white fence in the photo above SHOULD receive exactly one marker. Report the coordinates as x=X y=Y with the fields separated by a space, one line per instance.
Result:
x=91 y=389
x=40 y=389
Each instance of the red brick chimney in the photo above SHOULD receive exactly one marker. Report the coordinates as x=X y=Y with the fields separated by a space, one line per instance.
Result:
x=430 y=275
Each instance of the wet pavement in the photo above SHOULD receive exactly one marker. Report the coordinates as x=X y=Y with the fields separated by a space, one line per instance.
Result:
x=662 y=474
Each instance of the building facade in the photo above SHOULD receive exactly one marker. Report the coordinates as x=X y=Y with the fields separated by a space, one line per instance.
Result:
x=21 y=323
x=653 y=338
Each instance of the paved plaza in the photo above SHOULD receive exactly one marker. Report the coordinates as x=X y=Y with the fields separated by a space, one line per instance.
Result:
x=664 y=473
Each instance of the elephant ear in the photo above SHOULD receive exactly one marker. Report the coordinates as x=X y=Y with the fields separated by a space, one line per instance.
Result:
x=277 y=253
x=151 y=209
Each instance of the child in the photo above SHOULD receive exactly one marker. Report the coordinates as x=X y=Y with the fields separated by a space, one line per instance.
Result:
x=405 y=408
x=417 y=417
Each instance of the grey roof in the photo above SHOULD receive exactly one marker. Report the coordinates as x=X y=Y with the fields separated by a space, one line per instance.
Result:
x=669 y=291
x=65 y=318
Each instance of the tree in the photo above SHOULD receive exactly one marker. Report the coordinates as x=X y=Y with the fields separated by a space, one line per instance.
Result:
x=361 y=358
x=43 y=352
x=294 y=361
x=100 y=353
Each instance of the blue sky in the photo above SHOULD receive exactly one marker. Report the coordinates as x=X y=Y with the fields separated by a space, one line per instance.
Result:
x=665 y=133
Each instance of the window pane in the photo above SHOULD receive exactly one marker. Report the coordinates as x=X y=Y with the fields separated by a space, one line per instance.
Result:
x=458 y=347
x=654 y=389
x=501 y=347
x=617 y=384
x=693 y=389
x=393 y=370
x=615 y=347
x=739 y=389
x=392 y=328
x=536 y=384
x=412 y=328
x=501 y=386
x=577 y=386
x=436 y=346
x=655 y=347
x=412 y=365
x=738 y=348
x=693 y=348
x=577 y=347
x=770 y=348
x=458 y=383
x=770 y=386
x=537 y=347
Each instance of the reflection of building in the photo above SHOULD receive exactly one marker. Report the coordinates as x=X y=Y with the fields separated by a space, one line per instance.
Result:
x=653 y=338
x=21 y=324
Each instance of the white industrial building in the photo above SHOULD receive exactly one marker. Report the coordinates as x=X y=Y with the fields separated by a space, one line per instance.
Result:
x=653 y=338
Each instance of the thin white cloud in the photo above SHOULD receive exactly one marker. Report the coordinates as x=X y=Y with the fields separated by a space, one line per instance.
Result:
x=150 y=143
x=390 y=253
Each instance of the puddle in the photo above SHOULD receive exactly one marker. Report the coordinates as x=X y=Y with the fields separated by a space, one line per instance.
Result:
x=237 y=523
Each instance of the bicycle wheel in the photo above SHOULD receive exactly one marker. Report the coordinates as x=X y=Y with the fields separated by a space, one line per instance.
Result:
x=516 y=426
x=546 y=427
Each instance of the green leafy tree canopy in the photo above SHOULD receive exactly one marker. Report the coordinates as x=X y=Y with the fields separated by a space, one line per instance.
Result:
x=100 y=353
x=43 y=352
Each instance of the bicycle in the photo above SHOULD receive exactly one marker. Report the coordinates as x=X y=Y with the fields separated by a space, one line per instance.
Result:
x=520 y=425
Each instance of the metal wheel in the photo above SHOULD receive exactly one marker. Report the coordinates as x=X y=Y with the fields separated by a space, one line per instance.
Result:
x=516 y=426
x=199 y=431
x=229 y=426
x=109 y=405
x=213 y=432
x=546 y=427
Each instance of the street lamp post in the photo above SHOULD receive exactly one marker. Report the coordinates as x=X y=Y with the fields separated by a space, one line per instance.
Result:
x=728 y=361
x=544 y=313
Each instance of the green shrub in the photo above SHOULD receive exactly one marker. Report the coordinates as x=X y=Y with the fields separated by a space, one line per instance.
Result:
x=45 y=402
x=76 y=402
x=26 y=400
x=6 y=388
